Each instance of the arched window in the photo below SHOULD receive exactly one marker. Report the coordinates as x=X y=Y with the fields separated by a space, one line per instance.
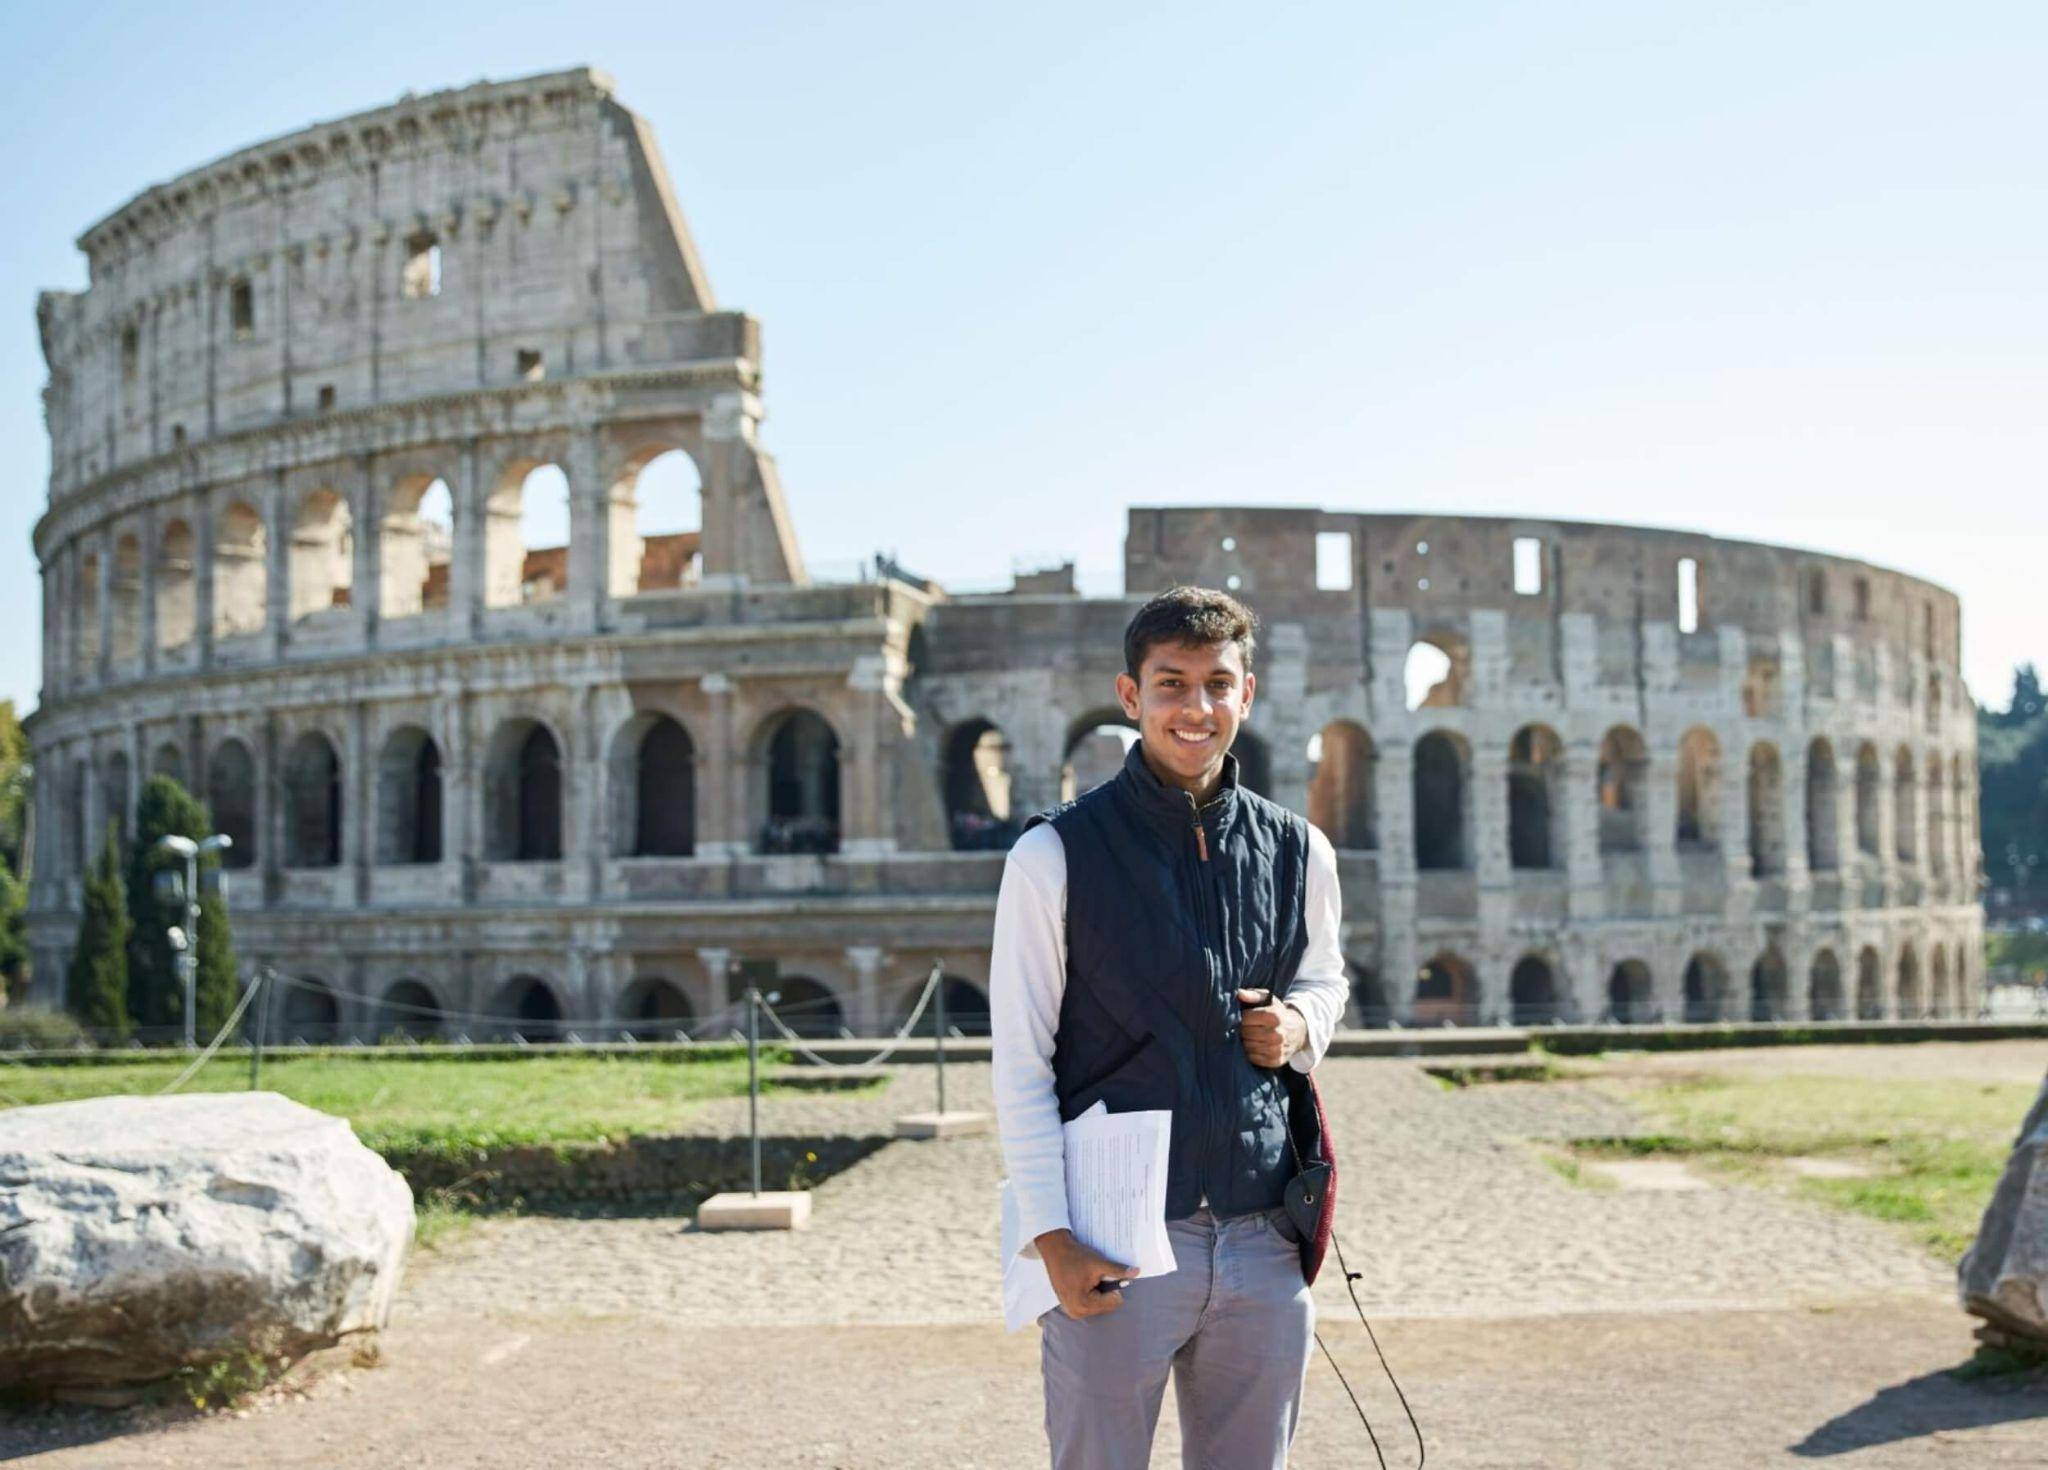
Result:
x=656 y=519
x=526 y=536
x=323 y=554
x=416 y=547
x=1535 y=767
x=127 y=600
x=1096 y=744
x=1705 y=988
x=801 y=762
x=241 y=572
x=1823 y=852
x=1630 y=997
x=523 y=794
x=1699 y=789
x=231 y=797
x=177 y=599
x=311 y=1012
x=1440 y=802
x=976 y=788
x=1434 y=676
x=1446 y=994
x=1340 y=788
x=85 y=639
x=1767 y=987
x=1624 y=773
x=1869 y=784
x=530 y=1009
x=1532 y=993
x=1908 y=1008
x=967 y=1012
x=1869 y=986
x=656 y=1010
x=1825 y=1001
x=169 y=760
x=1766 y=811
x=409 y=798
x=408 y=1009
x=312 y=826
x=807 y=1007
x=1905 y=808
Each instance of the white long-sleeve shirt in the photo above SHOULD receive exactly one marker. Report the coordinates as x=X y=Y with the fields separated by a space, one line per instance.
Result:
x=1028 y=979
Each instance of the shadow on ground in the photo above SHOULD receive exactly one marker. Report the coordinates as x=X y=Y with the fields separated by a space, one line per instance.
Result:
x=1933 y=1403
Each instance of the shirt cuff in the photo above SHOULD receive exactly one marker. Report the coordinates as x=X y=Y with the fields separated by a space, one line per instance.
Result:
x=1302 y=1060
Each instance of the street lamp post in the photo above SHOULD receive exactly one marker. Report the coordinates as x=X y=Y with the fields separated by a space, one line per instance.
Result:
x=185 y=941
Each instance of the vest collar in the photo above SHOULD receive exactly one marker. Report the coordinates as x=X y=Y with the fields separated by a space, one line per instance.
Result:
x=1169 y=806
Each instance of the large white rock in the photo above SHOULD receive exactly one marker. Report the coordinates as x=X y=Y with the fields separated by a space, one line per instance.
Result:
x=2004 y=1276
x=140 y=1235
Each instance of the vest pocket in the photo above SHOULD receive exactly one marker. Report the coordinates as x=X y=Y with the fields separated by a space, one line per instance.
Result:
x=1127 y=1083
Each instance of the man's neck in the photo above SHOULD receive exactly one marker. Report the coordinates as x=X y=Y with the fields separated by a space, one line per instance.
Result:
x=1200 y=787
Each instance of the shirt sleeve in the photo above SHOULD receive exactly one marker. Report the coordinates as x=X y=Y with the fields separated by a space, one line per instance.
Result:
x=1322 y=987
x=1027 y=979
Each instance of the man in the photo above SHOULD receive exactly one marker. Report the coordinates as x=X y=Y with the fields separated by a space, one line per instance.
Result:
x=1166 y=941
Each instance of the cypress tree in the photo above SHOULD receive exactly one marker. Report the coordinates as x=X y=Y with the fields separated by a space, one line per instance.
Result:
x=96 y=990
x=163 y=809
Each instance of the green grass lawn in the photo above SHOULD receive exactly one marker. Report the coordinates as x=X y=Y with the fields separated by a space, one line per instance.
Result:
x=1935 y=1148
x=452 y=1103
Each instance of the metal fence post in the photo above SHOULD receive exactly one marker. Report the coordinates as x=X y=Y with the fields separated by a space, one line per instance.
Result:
x=754 y=1079
x=939 y=1032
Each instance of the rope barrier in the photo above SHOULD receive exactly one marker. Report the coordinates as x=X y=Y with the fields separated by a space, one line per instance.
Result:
x=218 y=1037
x=931 y=986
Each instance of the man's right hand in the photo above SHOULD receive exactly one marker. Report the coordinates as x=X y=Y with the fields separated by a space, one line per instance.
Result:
x=1076 y=1272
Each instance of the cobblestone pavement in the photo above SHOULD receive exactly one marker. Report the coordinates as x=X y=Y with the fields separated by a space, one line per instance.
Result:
x=1446 y=1209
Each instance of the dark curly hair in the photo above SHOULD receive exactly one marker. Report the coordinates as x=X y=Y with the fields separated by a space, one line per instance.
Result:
x=1198 y=616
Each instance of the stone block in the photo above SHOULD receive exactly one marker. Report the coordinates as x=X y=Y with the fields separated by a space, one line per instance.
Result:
x=771 y=1209
x=2003 y=1278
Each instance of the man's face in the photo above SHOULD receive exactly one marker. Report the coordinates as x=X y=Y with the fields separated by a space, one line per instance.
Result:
x=1188 y=700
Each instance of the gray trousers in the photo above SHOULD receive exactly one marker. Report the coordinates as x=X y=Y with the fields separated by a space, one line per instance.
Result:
x=1233 y=1321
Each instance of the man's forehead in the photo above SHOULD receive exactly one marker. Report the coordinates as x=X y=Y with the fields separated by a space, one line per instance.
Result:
x=1195 y=658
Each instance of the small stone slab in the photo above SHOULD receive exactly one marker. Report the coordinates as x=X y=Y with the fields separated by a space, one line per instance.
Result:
x=771 y=1209
x=1807 y=1167
x=942 y=1125
x=1659 y=1175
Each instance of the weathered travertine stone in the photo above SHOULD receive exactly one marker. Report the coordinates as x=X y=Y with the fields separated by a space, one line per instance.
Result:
x=139 y=1235
x=2004 y=1276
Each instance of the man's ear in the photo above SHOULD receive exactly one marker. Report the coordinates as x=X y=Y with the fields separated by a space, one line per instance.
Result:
x=1251 y=687
x=1127 y=694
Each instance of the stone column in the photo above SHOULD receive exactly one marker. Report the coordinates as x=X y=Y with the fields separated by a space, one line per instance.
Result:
x=103 y=658
x=360 y=788
x=1660 y=828
x=277 y=595
x=589 y=533
x=1585 y=878
x=203 y=553
x=366 y=508
x=466 y=557
x=866 y=963
x=718 y=963
x=721 y=781
x=146 y=618
x=461 y=796
x=583 y=796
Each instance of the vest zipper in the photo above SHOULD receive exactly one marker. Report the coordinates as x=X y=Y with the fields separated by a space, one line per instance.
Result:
x=1205 y=898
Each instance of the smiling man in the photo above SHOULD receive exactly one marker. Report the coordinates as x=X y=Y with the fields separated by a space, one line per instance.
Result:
x=1165 y=941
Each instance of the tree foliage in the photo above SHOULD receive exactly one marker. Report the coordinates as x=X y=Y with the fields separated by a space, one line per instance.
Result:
x=96 y=991
x=2012 y=760
x=156 y=997
x=14 y=788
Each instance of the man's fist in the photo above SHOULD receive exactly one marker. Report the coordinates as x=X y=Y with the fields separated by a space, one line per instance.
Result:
x=1272 y=1029
x=1076 y=1271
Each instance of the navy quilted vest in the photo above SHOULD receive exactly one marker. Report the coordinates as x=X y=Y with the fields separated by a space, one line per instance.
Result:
x=1170 y=909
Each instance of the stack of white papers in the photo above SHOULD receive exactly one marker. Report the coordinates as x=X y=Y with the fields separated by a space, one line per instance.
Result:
x=1116 y=1204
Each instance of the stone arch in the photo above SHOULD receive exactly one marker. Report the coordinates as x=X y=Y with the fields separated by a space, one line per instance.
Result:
x=409 y=798
x=1446 y=992
x=1705 y=988
x=1631 y=995
x=1535 y=778
x=241 y=572
x=1341 y=797
x=967 y=1008
x=1369 y=998
x=1441 y=777
x=313 y=803
x=125 y=634
x=1937 y=983
x=321 y=571
x=409 y=1008
x=528 y=521
x=1869 y=784
x=177 y=586
x=1094 y=750
x=808 y=1007
x=311 y=1011
x=1769 y=987
x=799 y=758
x=415 y=546
x=1823 y=847
x=231 y=798
x=1766 y=811
x=975 y=786
x=1699 y=788
x=1437 y=671
x=1907 y=1005
x=1824 y=998
x=656 y=516
x=1533 y=998
x=1905 y=807
x=86 y=616
x=1624 y=776
x=1869 y=985
x=528 y=1008
x=654 y=1008
x=523 y=795
x=1962 y=978
x=653 y=780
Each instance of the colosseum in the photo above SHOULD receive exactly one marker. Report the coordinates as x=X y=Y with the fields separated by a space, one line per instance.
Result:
x=407 y=502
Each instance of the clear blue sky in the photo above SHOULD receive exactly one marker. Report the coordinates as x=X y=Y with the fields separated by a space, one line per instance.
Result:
x=1769 y=270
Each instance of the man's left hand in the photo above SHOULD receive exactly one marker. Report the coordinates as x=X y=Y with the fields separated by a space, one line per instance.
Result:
x=1273 y=1030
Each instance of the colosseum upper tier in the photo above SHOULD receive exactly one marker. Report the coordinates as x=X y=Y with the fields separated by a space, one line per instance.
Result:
x=483 y=777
